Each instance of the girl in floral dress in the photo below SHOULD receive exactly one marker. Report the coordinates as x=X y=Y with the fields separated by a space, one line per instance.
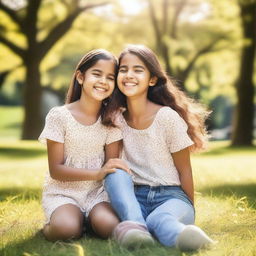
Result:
x=160 y=127
x=83 y=147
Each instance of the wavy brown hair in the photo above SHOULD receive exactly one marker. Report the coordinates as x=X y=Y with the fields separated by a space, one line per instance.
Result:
x=166 y=93
x=75 y=89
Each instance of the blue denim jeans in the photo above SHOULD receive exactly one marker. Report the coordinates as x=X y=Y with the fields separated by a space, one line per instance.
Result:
x=164 y=209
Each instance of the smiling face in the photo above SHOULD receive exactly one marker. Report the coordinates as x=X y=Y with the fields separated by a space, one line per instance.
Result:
x=98 y=82
x=133 y=76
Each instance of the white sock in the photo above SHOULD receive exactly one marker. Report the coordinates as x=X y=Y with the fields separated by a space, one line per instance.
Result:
x=192 y=238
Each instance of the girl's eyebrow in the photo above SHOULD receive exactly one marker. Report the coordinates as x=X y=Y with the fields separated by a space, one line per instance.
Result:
x=135 y=66
x=100 y=71
x=138 y=66
x=97 y=70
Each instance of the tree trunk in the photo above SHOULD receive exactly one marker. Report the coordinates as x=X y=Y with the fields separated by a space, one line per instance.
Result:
x=33 y=120
x=35 y=52
x=165 y=54
x=244 y=114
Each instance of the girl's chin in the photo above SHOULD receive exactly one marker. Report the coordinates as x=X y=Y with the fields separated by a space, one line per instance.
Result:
x=129 y=93
x=100 y=97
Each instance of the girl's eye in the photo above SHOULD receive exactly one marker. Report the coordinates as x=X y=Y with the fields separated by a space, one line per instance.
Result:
x=122 y=70
x=138 y=70
x=111 y=78
x=96 y=74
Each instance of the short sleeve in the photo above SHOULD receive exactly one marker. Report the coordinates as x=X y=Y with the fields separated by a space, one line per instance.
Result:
x=176 y=131
x=114 y=134
x=54 y=126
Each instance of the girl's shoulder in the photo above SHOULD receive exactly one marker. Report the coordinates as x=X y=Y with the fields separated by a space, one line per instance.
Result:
x=169 y=117
x=167 y=112
x=57 y=109
x=57 y=112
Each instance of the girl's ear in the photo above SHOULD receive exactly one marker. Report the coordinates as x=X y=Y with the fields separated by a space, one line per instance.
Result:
x=152 y=81
x=79 y=77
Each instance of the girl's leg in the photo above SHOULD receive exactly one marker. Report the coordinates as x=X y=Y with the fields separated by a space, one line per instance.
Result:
x=120 y=189
x=103 y=219
x=168 y=220
x=66 y=223
x=132 y=232
x=171 y=225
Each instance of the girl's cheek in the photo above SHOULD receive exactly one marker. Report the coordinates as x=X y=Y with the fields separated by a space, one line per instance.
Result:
x=118 y=81
x=112 y=85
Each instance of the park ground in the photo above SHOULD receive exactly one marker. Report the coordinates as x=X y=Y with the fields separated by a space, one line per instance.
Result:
x=225 y=185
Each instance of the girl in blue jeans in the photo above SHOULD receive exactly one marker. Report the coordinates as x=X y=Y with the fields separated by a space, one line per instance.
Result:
x=160 y=126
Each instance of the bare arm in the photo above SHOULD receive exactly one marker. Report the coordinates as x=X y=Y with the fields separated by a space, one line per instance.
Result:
x=113 y=150
x=59 y=171
x=182 y=162
x=112 y=154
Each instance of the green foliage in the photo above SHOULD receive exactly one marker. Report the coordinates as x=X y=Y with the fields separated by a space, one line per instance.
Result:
x=112 y=27
x=92 y=31
x=222 y=112
x=219 y=22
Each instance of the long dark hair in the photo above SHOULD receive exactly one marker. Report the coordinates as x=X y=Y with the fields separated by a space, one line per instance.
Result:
x=166 y=93
x=75 y=89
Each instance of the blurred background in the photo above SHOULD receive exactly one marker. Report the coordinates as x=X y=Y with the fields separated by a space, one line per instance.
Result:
x=207 y=46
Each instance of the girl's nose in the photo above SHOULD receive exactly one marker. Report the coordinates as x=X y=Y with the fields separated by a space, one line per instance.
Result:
x=103 y=80
x=129 y=73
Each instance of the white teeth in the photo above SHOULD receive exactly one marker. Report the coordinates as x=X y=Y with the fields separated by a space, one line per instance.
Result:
x=129 y=84
x=100 y=89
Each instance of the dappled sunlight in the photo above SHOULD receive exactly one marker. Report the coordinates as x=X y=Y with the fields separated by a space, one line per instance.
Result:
x=132 y=7
x=198 y=13
x=225 y=206
x=20 y=218
x=205 y=46
x=245 y=193
x=230 y=221
x=16 y=194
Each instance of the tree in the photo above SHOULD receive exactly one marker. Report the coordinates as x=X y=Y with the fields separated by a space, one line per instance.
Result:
x=166 y=29
x=27 y=21
x=244 y=114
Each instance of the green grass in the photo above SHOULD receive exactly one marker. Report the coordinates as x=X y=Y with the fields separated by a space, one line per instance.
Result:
x=10 y=122
x=225 y=184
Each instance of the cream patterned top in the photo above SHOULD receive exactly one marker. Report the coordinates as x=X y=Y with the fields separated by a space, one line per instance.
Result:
x=83 y=148
x=148 y=151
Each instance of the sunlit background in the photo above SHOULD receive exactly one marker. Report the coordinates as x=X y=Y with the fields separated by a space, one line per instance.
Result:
x=201 y=44
x=206 y=46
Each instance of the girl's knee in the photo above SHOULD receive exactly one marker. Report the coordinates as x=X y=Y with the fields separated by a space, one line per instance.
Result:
x=118 y=176
x=155 y=220
x=103 y=220
x=63 y=230
x=118 y=183
x=151 y=220
x=104 y=226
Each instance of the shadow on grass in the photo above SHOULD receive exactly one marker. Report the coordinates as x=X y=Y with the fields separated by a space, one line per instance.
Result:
x=17 y=125
x=37 y=245
x=237 y=190
x=12 y=152
x=18 y=194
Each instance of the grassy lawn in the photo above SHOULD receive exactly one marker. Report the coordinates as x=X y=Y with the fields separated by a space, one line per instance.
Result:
x=10 y=123
x=225 y=184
